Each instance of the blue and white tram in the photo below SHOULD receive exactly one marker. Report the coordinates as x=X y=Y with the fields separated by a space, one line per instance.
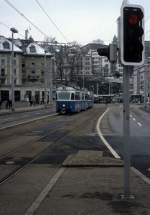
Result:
x=70 y=100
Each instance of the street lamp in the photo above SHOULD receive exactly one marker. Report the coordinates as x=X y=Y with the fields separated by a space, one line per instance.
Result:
x=14 y=31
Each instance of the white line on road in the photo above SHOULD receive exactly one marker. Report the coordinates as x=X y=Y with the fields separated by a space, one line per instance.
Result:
x=115 y=154
x=134 y=119
x=137 y=172
x=27 y=121
x=139 y=124
x=44 y=192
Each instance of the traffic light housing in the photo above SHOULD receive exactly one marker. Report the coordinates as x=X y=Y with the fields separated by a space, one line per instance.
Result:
x=132 y=35
x=109 y=51
x=104 y=51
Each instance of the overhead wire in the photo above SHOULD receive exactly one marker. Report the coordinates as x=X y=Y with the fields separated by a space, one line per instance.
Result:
x=51 y=20
x=26 y=18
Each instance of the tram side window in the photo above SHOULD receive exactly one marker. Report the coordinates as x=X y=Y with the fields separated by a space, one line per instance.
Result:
x=77 y=96
x=72 y=96
x=86 y=97
x=82 y=96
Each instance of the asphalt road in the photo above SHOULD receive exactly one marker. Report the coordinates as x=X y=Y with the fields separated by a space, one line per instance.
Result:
x=140 y=135
x=49 y=140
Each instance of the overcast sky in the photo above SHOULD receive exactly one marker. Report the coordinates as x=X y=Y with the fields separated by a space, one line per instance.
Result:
x=79 y=20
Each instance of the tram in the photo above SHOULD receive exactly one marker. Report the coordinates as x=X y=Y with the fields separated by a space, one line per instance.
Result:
x=70 y=100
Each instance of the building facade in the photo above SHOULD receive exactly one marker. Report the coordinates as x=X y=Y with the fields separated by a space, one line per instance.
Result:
x=33 y=71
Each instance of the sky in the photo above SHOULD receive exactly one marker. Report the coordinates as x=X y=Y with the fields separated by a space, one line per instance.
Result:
x=78 y=20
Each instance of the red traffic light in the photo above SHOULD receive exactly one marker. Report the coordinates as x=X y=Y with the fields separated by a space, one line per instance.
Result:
x=133 y=19
x=132 y=35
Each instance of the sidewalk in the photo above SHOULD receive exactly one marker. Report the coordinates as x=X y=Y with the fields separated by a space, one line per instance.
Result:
x=91 y=185
x=24 y=106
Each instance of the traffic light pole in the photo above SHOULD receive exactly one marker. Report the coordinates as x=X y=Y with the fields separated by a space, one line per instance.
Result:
x=126 y=131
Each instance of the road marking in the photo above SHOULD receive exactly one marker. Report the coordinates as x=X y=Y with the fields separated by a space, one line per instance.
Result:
x=134 y=119
x=139 y=124
x=137 y=172
x=115 y=154
x=27 y=121
x=31 y=210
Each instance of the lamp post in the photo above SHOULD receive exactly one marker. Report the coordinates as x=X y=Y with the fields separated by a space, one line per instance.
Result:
x=45 y=79
x=83 y=80
x=13 y=30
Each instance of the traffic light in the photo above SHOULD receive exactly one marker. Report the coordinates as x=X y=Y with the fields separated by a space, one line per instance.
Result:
x=104 y=51
x=132 y=35
x=109 y=51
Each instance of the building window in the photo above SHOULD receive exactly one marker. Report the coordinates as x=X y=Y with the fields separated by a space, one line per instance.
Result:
x=32 y=49
x=23 y=65
x=2 y=62
x=14 y=62
x=29 y=77
x=2 y=72
x=33 y=64
x=2 y=81
x=6 y=45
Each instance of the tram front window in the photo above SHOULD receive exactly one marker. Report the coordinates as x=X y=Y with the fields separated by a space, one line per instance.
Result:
x=63 y=96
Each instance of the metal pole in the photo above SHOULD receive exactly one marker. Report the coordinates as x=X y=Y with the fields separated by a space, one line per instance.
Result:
x=51 y=80
x=83 y=79
x=12 y=75
x=145 y=86
x=148 y=86
x=97 y=88
x=126 y=130
x=45 y=80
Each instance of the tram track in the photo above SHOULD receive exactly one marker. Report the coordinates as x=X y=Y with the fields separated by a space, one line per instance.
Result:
x=60 y=130
x=8 y=157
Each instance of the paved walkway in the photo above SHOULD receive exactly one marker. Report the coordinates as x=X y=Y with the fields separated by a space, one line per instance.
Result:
x=24 y=106
x=81 y=190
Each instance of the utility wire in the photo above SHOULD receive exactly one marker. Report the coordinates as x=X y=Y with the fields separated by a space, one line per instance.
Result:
x=51 y=20
x=27 y=19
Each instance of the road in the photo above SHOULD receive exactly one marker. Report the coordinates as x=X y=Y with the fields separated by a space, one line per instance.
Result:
x=112 y=128
x=31 y=154
x=49 y=140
